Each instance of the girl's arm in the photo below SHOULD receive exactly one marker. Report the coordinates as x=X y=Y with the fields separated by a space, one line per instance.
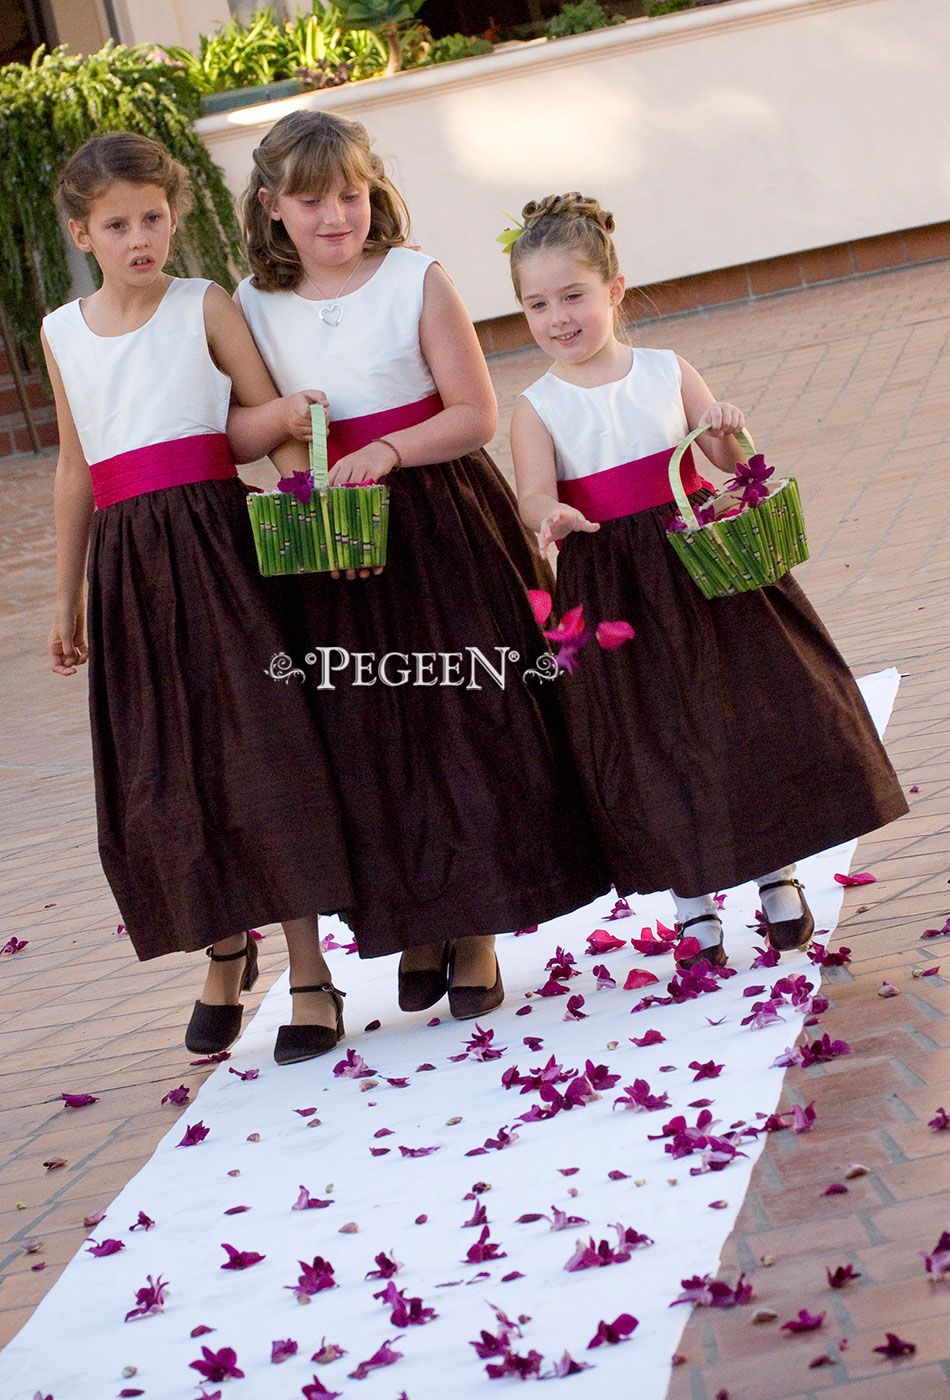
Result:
x=724 y=419
x=261 y=423
x=72 y=510
x=470 y=414
x=535 y=475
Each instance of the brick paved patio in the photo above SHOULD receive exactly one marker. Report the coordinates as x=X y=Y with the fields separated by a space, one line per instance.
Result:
x=847 y=386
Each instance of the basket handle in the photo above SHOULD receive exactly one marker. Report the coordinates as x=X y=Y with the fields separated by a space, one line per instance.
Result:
x=318 y=445
x=676 y=480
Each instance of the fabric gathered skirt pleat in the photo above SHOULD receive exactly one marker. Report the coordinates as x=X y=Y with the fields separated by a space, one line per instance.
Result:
x=461 y=804
x=216 y=807
x=729 y=738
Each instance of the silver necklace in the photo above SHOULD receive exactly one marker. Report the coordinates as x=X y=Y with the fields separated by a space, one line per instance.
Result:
x=332 y=313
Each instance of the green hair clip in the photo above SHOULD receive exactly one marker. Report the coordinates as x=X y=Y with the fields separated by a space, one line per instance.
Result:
x=510 y=236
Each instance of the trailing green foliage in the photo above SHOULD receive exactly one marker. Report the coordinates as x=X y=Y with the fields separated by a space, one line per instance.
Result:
x=47 y=110
x=578 y=19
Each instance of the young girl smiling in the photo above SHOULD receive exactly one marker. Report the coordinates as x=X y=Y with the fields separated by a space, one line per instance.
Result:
x=729 y=737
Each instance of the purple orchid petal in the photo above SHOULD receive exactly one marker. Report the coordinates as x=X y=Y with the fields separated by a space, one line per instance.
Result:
x=149 y=1299
x=240 y=1258
x=194 y=1133
x=842 y=1275
x=107 y=1247
x=894 y=1347
x=78 y=1100
x=600 y=941
x=307 y=1202
x=314 y=1278
x=299 y=485
x=610 y=1333
x=280 y=1351
x=804 y=1322
x=218 y=1365
x=177 y=1096
x=316 y=1390
x=384 y=1356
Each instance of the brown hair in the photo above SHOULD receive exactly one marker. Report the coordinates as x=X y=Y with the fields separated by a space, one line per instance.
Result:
x=301 y=154
x=572 y=221
x=119 y=155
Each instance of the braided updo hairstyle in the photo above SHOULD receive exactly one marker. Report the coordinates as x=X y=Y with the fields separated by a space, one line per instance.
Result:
x=572 y=221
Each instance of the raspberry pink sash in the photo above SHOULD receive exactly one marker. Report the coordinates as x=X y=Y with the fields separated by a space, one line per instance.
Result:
x=350 y=434
x=629 y=488
x=204 y=457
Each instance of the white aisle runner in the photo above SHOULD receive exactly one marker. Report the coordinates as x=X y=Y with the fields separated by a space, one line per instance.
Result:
x=595 y=1160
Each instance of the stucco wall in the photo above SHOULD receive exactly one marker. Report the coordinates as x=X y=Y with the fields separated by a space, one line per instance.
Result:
x=718 y=136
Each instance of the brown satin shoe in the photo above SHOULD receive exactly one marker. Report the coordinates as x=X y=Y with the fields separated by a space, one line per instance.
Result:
x=465 y=1003
x=295 y=1043
x=423 y=988
x=213 y=1028
x=715 y=955
x=787 y=935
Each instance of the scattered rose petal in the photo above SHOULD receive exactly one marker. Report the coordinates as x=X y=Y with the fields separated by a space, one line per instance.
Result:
x=419 y=1151
x=200 y=1331
x=941 y=1122
x=217 y=1059
x=280 y=1351
x=329 y=1351
x=709 y=1070
x=822 y=1359
x=842 y=1275
x=864 y=878
x=78 y=1100
x=353 y=1066
x=372 y=1026
x=541 y=604
x=245 y=1074
x=177 y=1096
x=835 y=1189
x=600 y=941
x=523 y=1011
x=387 y=1267
x=91 y=1221
x=240 y=1258
x=14 y=945
x=314 y=1278
x=573 y=1011
x=937 y=932
x=937 y=1262
x=53 y=1164
x=639 y=977
x=651 y=1037
x=803 y=1119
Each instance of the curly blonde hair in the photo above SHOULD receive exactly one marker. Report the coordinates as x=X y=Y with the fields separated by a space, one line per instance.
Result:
x=301 y=154
x=572 y=221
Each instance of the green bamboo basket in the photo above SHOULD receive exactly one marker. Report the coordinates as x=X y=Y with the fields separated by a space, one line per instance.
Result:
x=340 y=527
x=745 y=551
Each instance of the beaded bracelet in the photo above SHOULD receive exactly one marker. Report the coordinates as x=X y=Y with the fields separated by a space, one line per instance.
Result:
x=393 y=448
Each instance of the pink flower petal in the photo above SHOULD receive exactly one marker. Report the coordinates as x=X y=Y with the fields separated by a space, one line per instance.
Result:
x=614 y=634
x=804 y=1322
x=541 y=604
x=894 y=1347
x=639 y=977
x=864 y=878
x=383 y=1356
x=194 y=1133
x=78 y=1100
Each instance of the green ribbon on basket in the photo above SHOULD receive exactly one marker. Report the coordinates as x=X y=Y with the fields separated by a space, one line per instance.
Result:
x=319 y=468
x=676 y=479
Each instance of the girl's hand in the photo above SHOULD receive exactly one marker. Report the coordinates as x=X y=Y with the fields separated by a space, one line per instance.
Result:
x=559 y=524
x=66 y=644
x=297 y=412
x=722 y=419
x=369 y=463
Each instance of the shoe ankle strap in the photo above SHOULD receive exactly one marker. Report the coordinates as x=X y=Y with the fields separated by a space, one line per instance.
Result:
x=699 y=919
x=776 y=884
x=323 y=987
x=229 y=957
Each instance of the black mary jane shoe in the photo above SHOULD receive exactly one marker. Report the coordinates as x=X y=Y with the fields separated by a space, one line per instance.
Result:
x=213 y=1028
x=788 y=935
x=714 y=955
x=295 y=1043
x=418 y=990
x=465 y=1003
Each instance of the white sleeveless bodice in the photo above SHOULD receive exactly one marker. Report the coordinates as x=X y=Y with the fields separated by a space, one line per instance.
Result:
x=371 y=361
x=151 y=385
x=634 y=417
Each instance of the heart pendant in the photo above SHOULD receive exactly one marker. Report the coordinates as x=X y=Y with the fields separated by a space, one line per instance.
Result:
x=332 y=315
